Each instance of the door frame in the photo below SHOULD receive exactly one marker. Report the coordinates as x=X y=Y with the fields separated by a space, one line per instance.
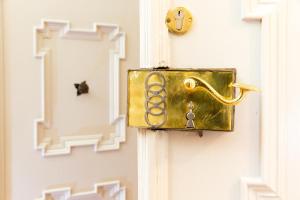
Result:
x=2 y=112
x=153 y=146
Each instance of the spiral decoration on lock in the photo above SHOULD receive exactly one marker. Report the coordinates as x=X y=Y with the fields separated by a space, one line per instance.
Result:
x=155 y=99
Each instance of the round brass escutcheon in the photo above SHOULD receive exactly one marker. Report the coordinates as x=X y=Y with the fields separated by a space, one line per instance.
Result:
x=179 y=20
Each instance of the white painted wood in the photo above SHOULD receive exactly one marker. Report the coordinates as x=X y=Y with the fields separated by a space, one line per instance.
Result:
x=96 y=139
x=153 y=146
x=104 y=191
x=293 y=113
x=154 y=38
x=2 y=122
x=153 y=164
x=272 y=182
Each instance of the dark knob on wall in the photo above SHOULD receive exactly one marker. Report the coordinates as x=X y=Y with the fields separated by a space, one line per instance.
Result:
x=82 y=88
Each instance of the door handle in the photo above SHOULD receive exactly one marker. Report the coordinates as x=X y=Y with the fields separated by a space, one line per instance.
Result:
x=193 y=83
x=183 y=99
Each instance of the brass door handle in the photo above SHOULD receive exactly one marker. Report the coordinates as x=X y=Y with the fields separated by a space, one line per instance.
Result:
x=193 y=83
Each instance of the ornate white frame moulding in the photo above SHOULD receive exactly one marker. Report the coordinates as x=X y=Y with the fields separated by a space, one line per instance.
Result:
x=113 y=189
x=115 y=118
x=153 y=147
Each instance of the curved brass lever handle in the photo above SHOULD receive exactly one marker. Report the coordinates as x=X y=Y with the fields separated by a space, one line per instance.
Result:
x=192 y=82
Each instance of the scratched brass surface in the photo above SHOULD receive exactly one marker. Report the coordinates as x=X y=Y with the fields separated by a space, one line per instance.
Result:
x=210 y=114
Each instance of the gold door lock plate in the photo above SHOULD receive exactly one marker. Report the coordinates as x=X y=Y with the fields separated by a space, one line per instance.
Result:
x=183 y=99
x=179 y=20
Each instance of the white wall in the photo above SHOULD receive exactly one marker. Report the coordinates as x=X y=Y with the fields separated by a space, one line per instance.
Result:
x=28 y=174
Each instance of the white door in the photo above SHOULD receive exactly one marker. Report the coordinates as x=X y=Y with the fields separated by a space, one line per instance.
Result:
x=61 y=142
x=215 y=162
x=248 y=163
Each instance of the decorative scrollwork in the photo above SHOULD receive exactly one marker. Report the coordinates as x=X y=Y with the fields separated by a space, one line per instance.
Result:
x=155 y=99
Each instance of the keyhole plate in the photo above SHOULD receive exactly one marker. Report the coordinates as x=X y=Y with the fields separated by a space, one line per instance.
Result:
x=179 y=20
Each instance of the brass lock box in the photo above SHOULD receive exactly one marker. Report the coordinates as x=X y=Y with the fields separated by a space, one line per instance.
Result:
x=183 y=99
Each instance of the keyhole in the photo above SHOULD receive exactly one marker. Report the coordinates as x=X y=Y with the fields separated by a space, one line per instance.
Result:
x=179 y=19
x=190 y=116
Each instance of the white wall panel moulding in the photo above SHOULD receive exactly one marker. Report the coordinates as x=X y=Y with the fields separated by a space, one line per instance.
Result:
x=100 y=143
x=101 y=191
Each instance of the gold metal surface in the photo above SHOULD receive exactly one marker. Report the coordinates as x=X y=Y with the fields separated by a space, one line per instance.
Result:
x=179 y=20
x=210 y=113
x=194 y=83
